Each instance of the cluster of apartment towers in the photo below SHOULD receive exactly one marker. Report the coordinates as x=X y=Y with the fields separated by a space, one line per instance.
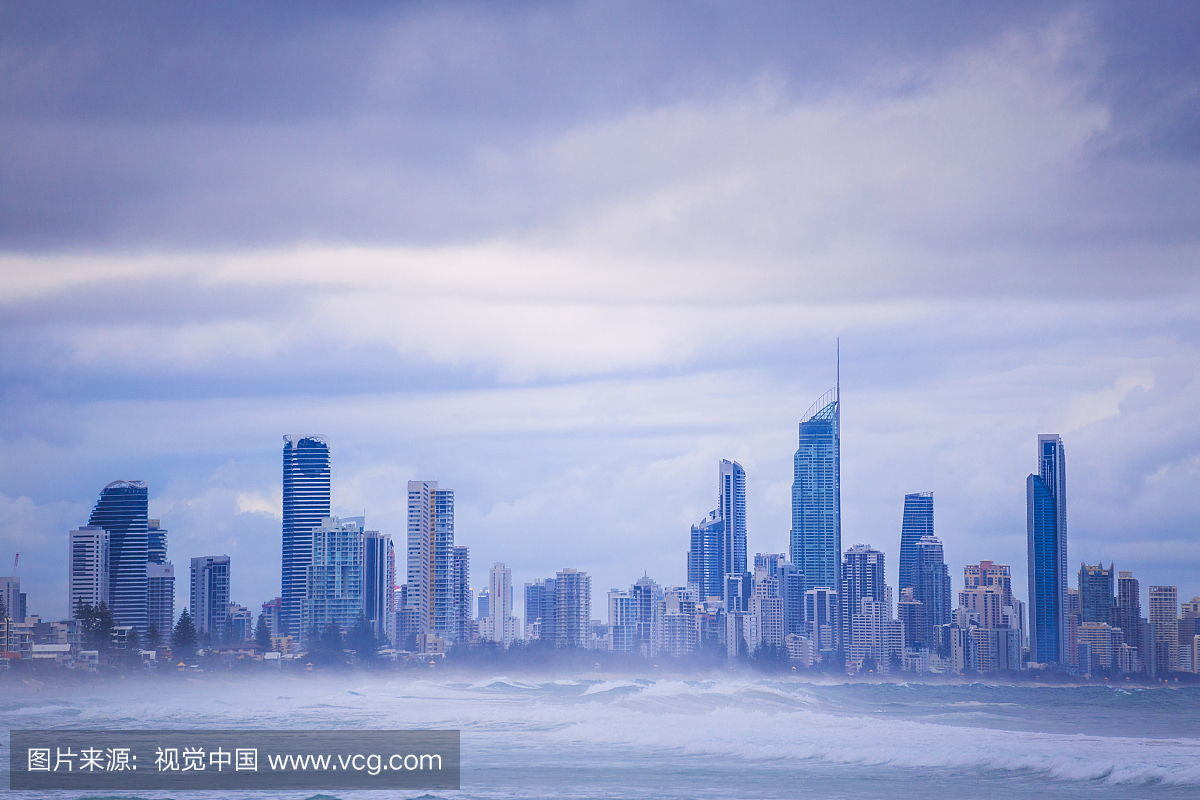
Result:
x=819 y=605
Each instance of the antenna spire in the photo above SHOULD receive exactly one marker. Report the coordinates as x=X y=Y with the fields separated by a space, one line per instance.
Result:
x=839 y=370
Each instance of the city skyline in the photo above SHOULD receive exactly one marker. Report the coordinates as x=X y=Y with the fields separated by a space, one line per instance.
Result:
x=450 y=604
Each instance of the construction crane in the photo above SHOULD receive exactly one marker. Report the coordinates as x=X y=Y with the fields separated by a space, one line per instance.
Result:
x=16 y=558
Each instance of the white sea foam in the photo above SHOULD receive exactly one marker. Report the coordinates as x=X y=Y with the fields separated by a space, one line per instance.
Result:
x=754 y=721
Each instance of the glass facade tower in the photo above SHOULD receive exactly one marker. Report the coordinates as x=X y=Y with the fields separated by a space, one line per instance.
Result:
x=1046 y=512
x=816 y=539
x=731 y=507
x=122 y=512
x=305 y=503
x=917 y=522
x=931 y=581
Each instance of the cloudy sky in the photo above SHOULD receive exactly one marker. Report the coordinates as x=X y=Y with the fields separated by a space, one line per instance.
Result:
x=564 y=257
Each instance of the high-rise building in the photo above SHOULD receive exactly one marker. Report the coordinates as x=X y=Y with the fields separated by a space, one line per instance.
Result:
x=862 y=577
x=462 y=594
x=272 y=615
x=333 y=593
x=485 y=603
x=680 y=633
x=816 y=537
x=13 y=599
x=379 y=579
x=766 y=604
x=573 y=608
x=647 y=599
x=731 y=507
x=1096 y=598
x=160 y=598
x=718 y=542
x=622 y=622
x=87 y=578
x=917 y=522
x=706 y=557
x=306 y=479
x=1046 y=511
x=911 y=614
x=431 y=582
x=1129 y=611
x=500 y=625
x=160 y=581
x=210 y=595
x=1189 y=630
x=1164 y=616
x=541 y=615
x=791 y=598
x=931 y=581
x=122 y=511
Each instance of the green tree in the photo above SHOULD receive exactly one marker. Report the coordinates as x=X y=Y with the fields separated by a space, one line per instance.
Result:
x=153 y=637
x=262 y=634
x=97 y=626
x=132 y=655
x=229 y=635
x=183 y=642
x=362 y=639
x=331 y=638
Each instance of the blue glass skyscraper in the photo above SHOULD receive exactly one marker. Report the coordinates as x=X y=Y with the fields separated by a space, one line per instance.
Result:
x=816 y=494
x=918 y=522
x=731 y=507
x=122 y=511
x=305 y=503
x=1046 y=510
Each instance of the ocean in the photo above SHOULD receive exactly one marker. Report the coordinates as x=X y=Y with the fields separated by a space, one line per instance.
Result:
x=716 y=736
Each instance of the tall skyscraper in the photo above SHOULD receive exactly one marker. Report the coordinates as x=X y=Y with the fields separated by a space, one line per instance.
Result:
x=87 y=579
x=122 y=511
x=1046 y=511
x=931 y=581
x=431 y=584
x=917 y=522
x=379 y=578
x=210 y=595
x=816 y=538
x=1164 y=616
x=706 y=557
x=306 y=479
x=1096 y=598
x=731 y=507
x=573 y=605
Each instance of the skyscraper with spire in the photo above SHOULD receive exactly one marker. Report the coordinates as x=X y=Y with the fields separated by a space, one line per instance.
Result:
x=1046 y=511
x=816 y=539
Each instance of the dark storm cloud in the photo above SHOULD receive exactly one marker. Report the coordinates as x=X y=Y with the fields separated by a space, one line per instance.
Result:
x=233 y=124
